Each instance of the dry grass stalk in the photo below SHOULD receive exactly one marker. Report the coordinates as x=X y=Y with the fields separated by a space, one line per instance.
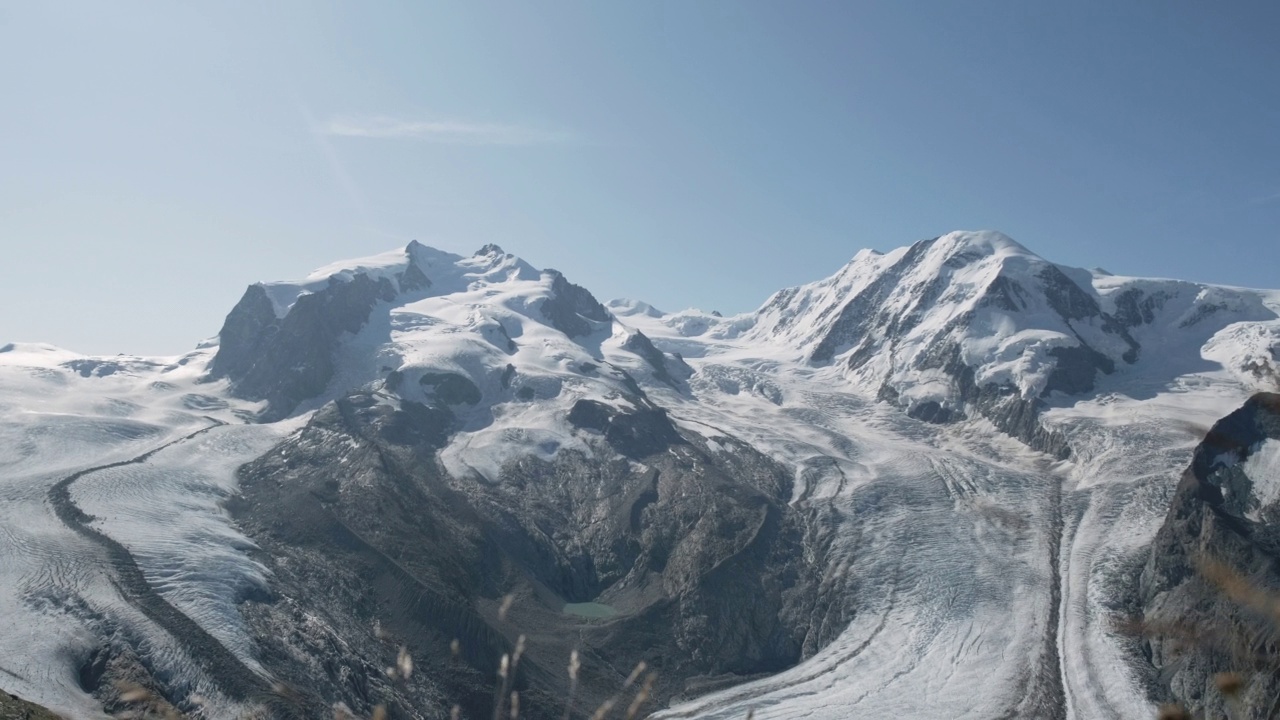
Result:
x=507 y=671
x=504 y=673
x=152 y=705
x=635 y=673
x=1173 y=711
x=1229 y=683
x=515 y=657
x=1243 y=592
x=641 y=697
x=1239 y=588
x=404 y=663
x=575 y=664
x=131 y=693
x=1232 y=686
x=607 y=706
x=287 y=693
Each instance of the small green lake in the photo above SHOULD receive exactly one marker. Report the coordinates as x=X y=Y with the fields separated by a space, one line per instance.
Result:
x=589 y=610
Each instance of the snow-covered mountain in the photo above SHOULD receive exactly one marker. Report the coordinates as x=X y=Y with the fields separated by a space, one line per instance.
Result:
x=939 y=469
x=974 y=324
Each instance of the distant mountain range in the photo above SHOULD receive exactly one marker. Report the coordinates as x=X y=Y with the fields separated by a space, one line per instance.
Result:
x=952 y=480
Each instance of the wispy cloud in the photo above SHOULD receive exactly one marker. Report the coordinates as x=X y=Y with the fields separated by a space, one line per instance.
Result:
x=448 y=132
x=339 y=169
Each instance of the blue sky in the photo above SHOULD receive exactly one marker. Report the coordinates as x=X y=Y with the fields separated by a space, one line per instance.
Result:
x=155 y=158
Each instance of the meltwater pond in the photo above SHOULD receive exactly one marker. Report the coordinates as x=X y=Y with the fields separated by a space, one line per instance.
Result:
x=589 y=610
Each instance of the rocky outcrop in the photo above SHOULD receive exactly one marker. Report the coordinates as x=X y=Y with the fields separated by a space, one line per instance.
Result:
x=635 y=434
x=289 y=359
x=571 y=309
x=693 y=555
x=450 y=388
x=1002 y=404
x=1210 y=584
x=640 y=344
x=15 y=707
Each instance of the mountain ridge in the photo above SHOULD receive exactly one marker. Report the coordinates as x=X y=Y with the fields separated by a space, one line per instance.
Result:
x=1003 y=328
x=739 y=490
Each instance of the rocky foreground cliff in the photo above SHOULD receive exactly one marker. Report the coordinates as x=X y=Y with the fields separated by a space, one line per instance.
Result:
x=1210 y=591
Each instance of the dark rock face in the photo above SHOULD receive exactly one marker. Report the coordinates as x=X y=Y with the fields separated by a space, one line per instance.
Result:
x=640 y=344
x=1134 y=307
x=249 y=324
x=1072 y=303
x=571 y=307
x=1217 y=518
x=287 y=360
x=1006 y=294
x=451 y=388
x=636 y=434
x=1076 y=370
x=1065 y=297
x=335 y=518
x=1003 y=405
x=697 y=553
x=93 y=368
x=413 y=279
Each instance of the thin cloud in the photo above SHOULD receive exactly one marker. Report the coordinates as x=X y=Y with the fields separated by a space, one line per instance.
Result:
x=447 y=132
x=1270 y=197
x=336 y=166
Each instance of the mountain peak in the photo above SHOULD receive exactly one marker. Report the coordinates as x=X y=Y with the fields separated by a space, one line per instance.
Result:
x=974 y=322
x=985 y=242
x=281 y=342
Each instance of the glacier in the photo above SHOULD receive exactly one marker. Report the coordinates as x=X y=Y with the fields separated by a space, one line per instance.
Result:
x=988 y=442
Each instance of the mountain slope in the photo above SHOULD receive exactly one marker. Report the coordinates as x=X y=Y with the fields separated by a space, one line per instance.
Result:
x=938 y=469
x=974 y=324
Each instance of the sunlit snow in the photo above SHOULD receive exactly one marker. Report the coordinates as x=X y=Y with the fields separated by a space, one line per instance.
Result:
x=980 y=568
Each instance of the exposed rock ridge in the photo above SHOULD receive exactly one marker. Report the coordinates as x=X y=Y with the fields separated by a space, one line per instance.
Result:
x=290 y=359
x=572 y=308
x=1218 y=516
